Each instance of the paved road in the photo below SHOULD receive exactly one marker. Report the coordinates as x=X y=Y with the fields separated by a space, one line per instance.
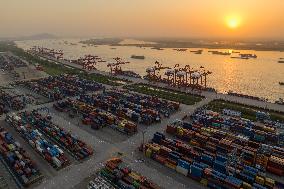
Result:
x=105 y=149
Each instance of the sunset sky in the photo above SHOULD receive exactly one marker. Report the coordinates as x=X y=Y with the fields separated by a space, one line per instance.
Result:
x=150 y=18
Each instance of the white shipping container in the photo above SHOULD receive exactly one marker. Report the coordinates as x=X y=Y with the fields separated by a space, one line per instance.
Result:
x=60 y=151
x=38 y=143
x=32 y=143
x=18 y=155
x=23 y=128
x=22 y=163
x=39 y=149
x=182 y=170
x=56 y=162
x=18 y=144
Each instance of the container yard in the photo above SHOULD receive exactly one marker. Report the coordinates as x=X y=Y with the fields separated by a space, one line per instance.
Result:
x=17 y=160
x=222 y=150
x=211 y=169
x=59 y=87
x=66 y=140
x=73 y=117
x=118 y=109
x=133 y=106
x=117 y=174
x=48 y=150
x=9 y=62
x=96 y=118
x=9 y=101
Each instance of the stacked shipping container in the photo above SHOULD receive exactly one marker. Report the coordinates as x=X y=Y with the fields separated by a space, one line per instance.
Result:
x=211 y=169
x=267 y=157
x=97 y=118
x=49 y=151
x=121 y=176
x=137 y=108
x=58 y=87
x=76 y=147
x=17 y=160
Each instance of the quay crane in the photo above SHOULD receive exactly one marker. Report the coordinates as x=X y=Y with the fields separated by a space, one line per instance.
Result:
x=115 y=68
x=88 y=61
x=152 y=72
x=204 y=73
x=187 y=76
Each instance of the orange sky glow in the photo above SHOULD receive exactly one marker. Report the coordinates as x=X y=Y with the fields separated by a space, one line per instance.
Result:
x=159 y=18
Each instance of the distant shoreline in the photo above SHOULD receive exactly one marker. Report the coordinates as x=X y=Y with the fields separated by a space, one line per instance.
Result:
x=266 y=46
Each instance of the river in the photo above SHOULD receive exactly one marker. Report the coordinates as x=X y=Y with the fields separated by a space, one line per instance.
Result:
x=257 y=77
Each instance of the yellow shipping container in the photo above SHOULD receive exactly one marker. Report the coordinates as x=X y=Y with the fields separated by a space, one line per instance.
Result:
x=269 y=182
x=204 y=182
x=11 y=147
x=180 y=131
x=259 y=180
x=155 y=148
x=148 y=153
x=135 y=176
x=172 y=166
x=246 y=185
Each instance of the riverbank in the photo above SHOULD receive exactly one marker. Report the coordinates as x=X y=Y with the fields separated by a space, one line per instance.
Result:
x=185 y=43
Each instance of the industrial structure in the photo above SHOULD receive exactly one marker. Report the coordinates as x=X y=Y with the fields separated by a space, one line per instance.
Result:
x=179 y=76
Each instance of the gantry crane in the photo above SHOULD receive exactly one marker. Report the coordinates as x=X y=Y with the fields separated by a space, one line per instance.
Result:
x=115 y=68
x=152 y=72
x=204 y=73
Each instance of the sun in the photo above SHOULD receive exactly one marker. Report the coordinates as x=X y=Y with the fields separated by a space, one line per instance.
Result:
x=233 y=22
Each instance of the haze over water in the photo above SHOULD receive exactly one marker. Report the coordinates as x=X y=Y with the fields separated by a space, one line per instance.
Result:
x=256 y=77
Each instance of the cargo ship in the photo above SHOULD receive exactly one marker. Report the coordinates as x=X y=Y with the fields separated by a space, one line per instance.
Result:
x=197 y=51
x=180 y=50
x=248 y=55
x=220 y=53
x=138 y=57
x=157 y=48
x=239 y=57
x=281 y=83
x=281 y=61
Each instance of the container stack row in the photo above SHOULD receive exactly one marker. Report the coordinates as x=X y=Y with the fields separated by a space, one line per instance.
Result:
x=214 y=141
x=121 y=176
x=49 y=151
x=58 y=87
x=66 y=140
x=97 y=118
x=136 y=107
x=11 y=101
x=259 y=132
x=211 y=170
x=9 y=62
x=17 y=160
